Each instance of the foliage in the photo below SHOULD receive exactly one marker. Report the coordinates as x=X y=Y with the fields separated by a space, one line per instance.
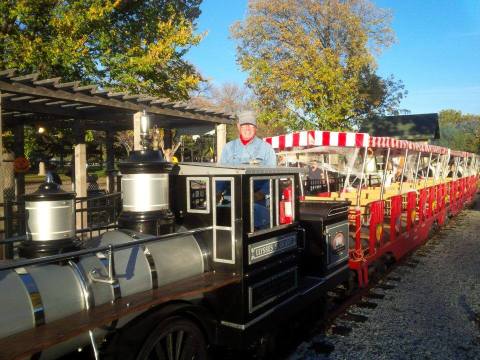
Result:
x=311 y=64
x=228 y=97
x=127 y=45
x=459 y=131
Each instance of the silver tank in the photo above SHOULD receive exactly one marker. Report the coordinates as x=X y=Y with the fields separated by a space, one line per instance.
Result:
x=40 y=294
x=50 y=220
x=145 y=192
x=50 y=213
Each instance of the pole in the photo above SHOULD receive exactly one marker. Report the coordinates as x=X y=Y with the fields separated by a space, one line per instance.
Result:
x=384 y=178
x=359 y=192
x=416 y=171
x=403 y=171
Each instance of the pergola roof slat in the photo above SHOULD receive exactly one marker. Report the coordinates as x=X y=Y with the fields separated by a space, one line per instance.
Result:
x=55 y=103
x=160 y=101
x=116 y=94
x=9 y=73
x=131 y=96
x=70 y=105
x=100 y=91
x=38 y=100
x=21 y=98
x=29 y=77
x=146 y=99
x=71 y=85
x=48 y=82
x=85 y=88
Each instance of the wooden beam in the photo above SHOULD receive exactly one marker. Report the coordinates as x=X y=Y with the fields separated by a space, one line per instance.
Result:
x=35 y=101
x=71 y=84
x=55 y=103
x=9 y=73
x=47 y=82
x=21 y=98
x=28 y=77
x=85 y=88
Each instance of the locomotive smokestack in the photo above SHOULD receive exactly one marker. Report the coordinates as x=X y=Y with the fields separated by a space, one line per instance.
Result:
x=146 y=189
x=50 y=221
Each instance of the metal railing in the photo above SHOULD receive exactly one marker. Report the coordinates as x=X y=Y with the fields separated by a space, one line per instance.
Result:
x=95 y=215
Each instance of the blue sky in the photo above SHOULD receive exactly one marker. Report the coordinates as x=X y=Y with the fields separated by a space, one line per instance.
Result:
x=437 y=53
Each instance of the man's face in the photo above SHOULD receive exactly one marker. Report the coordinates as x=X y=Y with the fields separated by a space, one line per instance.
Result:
x=247 y=131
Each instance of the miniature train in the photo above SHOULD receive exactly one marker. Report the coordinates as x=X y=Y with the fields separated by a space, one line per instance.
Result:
x=399 y=191
x=207 y=255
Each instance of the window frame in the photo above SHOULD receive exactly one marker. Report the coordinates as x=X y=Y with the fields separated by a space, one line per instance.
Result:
x=207 y=194
x=274 y=182
x=230 y=228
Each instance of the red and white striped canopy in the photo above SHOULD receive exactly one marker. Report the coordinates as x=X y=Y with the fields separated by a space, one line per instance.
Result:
x=387 y=142
x=460 y=153
x=313 y=138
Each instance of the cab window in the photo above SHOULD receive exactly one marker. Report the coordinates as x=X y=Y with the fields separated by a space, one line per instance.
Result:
x=271 y=202
x=198 y=199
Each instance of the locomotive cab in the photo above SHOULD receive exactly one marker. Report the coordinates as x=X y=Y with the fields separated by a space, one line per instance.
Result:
x=287 y=252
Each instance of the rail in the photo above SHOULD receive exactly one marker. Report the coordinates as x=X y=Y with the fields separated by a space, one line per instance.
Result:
x=95 y=215
x=75 y=254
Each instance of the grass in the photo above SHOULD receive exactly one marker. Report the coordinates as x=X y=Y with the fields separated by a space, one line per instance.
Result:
x=34 y=178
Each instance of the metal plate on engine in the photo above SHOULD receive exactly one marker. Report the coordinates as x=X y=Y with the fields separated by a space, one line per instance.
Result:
x=266 y=249
x=336 y=237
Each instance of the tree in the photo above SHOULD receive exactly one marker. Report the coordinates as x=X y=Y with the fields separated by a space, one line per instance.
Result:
x=136 y=46
x=311 y=63
x=459 y=131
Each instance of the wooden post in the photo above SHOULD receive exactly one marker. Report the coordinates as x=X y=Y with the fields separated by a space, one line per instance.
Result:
x=110 y=160
x=136 y=131
x=167 y=138
x=221 y=131
x=19 y=140
x=80 y=159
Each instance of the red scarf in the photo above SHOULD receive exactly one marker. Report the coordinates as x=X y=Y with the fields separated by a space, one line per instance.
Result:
x=245 y=141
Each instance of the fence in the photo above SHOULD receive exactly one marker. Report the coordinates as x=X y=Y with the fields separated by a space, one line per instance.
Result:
x=97 y=214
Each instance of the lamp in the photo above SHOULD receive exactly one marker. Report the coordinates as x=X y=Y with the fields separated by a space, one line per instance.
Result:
x=144 y=127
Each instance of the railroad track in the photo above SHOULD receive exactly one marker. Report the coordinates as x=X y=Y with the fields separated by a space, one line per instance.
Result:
x=346 y=311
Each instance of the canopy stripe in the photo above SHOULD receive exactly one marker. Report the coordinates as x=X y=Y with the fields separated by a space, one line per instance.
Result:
x=318 y=138
x=313 y=138
x=387 y=142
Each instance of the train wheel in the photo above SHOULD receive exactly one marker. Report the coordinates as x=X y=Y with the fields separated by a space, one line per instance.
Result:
x=175 y=338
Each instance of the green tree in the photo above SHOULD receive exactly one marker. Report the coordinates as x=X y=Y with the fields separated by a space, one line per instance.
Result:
x=459 y=131
x=311 y=63
x=127 y=45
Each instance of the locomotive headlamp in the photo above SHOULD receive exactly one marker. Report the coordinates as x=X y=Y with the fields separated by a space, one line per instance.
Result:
x=144 y=127
x=144 y=124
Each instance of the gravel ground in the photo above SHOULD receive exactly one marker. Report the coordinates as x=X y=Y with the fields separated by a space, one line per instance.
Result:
x=432 y=313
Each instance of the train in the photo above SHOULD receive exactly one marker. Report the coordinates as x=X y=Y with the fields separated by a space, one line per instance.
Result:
x=400 y=192
x=207 y=256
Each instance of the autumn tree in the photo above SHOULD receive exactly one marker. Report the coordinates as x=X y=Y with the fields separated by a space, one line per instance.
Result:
x=136 y=46
x=311 y=63
x=459 y=131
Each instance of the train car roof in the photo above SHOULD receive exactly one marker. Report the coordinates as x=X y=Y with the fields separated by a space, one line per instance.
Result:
x=217 y=169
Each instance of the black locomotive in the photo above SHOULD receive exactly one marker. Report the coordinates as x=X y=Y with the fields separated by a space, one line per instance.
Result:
x=205 y=255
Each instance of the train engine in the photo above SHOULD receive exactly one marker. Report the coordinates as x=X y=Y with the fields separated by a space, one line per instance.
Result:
x=204 y=255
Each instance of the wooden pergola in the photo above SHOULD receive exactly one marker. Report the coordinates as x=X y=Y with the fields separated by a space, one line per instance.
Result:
x=25 y=99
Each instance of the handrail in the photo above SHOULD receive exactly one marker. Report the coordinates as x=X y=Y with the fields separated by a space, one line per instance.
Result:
x=74 y=254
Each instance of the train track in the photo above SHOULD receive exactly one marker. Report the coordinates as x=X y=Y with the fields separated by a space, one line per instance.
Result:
x=347 y=310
